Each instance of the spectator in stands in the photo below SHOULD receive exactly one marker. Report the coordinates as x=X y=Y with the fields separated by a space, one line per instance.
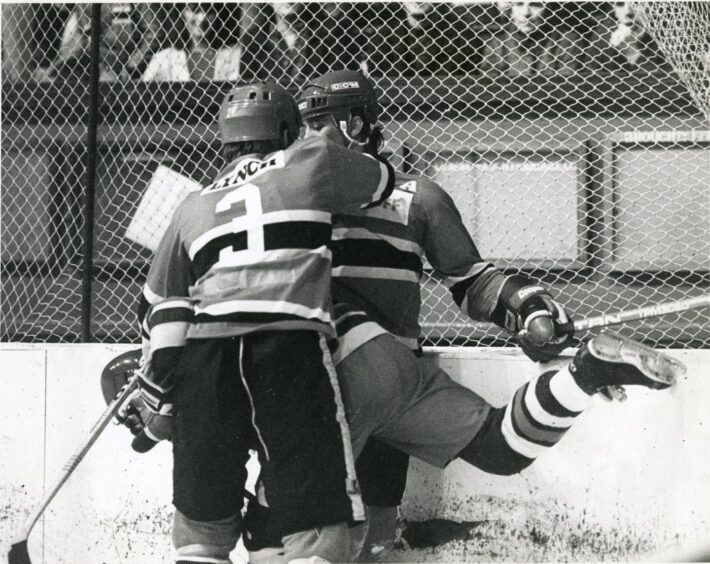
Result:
x=119 y=28
x=290 y=41
x=339 y=40
x=530 y=43
x=47 y=26
x=259 y=60
x=154 y=22
x=31 y=35
x=283 y=42
x=202 y=45
x=621 y=42
x=438 y=41
x=382 y=25
x=296 y=41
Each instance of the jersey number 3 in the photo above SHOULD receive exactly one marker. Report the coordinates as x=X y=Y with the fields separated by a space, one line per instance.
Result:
x=250 y=222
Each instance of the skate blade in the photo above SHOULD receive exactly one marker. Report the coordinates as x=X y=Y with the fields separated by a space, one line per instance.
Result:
x=656 y=366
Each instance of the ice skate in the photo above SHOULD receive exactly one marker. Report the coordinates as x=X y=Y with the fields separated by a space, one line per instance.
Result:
x=610 y=360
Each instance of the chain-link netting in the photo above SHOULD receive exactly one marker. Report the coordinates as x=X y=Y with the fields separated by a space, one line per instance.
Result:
x=572 y=140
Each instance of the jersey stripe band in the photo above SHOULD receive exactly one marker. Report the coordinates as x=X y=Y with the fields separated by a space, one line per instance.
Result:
x=246 y=222
x=379 y=273
x=265 y=306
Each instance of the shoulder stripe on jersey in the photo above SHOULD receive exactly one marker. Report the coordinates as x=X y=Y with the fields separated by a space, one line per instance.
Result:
x=376 y=273
x=373 y=253
x=242 y=224
x=263 y=306
x=276 y=236
x=363 y=233
x=385 y=187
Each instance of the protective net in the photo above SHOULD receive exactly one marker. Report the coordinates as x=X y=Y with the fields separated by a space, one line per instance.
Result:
x=570 y=135
x=682 y=31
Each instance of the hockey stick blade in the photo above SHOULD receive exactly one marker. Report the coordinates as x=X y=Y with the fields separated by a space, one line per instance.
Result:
x=619 y=317
x=19 y=553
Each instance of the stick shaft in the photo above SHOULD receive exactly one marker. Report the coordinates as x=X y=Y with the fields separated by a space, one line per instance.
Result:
x=74 y=460
x=655 y=310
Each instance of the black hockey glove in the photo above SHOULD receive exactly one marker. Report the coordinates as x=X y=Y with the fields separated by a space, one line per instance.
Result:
x=528 y=311
x=540 y=339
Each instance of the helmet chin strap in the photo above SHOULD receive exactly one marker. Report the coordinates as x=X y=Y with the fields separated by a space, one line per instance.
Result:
x=352 y=143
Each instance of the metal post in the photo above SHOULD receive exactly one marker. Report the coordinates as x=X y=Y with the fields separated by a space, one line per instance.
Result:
x=91 y=156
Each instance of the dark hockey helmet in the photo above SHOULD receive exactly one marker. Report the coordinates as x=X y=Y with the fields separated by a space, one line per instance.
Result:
x=337 y=93
x=256 y=112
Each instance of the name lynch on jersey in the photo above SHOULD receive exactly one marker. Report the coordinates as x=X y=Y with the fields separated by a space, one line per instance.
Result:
x=247 y=170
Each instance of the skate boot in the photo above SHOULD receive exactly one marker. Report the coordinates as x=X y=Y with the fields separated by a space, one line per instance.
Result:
x=612 y=361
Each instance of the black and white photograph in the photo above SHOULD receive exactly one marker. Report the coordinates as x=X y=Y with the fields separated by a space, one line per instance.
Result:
x=354 y=282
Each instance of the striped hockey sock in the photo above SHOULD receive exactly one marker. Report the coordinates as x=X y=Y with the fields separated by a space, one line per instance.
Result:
x=537 y=417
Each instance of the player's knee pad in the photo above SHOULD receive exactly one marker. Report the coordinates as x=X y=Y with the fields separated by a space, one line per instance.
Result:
x=197 y=540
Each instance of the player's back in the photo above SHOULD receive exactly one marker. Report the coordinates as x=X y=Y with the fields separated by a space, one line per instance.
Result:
x=258 y=238
x=378 y=253
x=378 y=261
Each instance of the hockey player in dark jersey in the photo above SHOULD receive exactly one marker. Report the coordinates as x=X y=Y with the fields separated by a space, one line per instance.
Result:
x=378 y=258
x=250 y=256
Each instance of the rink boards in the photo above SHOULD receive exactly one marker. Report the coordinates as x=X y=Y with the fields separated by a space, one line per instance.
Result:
x=628 y=479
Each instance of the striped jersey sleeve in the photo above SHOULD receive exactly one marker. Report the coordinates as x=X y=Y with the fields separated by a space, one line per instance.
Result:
x=166 y=325
x=170 y=270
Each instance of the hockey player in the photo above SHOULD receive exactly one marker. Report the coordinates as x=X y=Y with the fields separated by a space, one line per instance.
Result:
x=251 y=254
x=378 y=259
x=412 y=405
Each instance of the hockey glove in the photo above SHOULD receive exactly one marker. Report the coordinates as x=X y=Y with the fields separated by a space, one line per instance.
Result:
x=147 y=426
x=528 y=311
x=540 y=338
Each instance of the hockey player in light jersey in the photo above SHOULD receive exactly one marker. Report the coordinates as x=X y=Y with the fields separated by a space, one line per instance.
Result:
x=251 y=254
x=378 y=258
x=414 y=406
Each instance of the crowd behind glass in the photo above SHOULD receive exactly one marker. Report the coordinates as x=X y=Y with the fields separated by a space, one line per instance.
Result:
x=292 y=41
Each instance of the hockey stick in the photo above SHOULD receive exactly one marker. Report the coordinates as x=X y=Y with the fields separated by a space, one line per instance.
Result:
x=607 y=319
x=18 y=551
